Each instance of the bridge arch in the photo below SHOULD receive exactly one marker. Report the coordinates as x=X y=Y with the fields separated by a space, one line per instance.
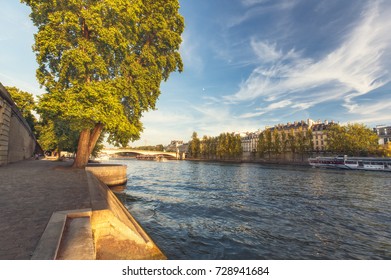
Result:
x=133 y=153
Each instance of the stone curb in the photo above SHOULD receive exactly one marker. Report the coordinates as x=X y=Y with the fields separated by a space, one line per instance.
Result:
x=49 y=244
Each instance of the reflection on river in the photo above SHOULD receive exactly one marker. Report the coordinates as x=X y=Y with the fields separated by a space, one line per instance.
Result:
x=200 y=210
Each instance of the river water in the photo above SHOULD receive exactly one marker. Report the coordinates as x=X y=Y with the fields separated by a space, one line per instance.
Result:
x=203 y=210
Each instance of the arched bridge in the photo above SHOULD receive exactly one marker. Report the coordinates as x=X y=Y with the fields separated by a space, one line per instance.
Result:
x=119 y=152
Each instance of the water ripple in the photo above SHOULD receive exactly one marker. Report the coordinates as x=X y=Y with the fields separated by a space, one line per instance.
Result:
x=196 y=210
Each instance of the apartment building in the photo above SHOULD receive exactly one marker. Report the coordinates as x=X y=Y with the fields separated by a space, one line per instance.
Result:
x=384 y=134
x=318 y=129
x=319 y=135
x=250 y=141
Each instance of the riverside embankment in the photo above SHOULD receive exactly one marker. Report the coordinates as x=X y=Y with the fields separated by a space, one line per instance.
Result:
x=51 y=211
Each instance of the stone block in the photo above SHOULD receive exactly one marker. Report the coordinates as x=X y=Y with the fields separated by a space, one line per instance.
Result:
x=7 y=112
x=3 y=147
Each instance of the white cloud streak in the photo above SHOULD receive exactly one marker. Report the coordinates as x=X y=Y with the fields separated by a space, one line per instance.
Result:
x=267 y=7
x=248 y=3
x=358 y=66
x=189 y=53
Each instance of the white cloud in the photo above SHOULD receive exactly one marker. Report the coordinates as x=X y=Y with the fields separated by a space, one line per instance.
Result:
x=189 y=53
x=271 y=107
x=166 y=117
x=261 y=10
x=266 y=52
x=359 y=65
x=372 y=109
x=281 y=104
x=253 y=2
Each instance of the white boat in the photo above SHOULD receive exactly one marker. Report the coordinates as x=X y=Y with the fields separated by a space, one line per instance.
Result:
x=352 y=163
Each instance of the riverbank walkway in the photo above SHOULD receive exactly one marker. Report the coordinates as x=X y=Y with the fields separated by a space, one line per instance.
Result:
x=32 y=190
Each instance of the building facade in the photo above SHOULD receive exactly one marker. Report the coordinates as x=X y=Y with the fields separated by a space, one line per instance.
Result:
x=249 y=141
x=173 y=146
x=295 y=127
x=319 y=135
x=318 y=130
x=384 y=134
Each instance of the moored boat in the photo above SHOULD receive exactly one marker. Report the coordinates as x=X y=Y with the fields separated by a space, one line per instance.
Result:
x=151 y=157
x=352 y=163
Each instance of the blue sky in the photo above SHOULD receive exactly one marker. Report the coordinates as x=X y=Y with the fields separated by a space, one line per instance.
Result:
x=252 y=63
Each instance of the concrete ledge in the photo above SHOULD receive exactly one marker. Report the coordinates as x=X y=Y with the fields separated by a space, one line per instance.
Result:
x=117 y=235
x=49 y=244
x=77 y=242
x=109 y=174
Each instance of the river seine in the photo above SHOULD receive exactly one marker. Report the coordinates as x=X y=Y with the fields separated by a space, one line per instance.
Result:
x=203 y=210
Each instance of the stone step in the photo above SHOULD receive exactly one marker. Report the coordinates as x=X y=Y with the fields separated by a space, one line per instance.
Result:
x=77 y=242
x=68 y=235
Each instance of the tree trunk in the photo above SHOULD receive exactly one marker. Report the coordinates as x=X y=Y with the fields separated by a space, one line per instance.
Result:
x=96 y=132
x=87 y=141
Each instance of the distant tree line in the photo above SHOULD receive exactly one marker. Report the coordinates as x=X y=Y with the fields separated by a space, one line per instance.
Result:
x=224 y=146
x=276 y=143
x=352 y=140
x=158 y=148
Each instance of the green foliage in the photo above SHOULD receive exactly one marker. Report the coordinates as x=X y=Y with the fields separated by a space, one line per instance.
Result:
x=292 y=143
x=261 y=147
x=102 y=62
x=309 y=141
x=195 y=145
x=385 y=150
x=26 y=105
x=277 y=144
x=352 y=140
x=268 y=141
x=57 y=136
x=284 y=142
x=158 y=148
x=224 y=146
x=280 y=142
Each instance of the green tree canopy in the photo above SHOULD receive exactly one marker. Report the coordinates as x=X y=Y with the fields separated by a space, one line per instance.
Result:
x=352 y=139
x=195 y=145
x=261 y=145
x=26 y=105
x=102 y=63
x=224 y=146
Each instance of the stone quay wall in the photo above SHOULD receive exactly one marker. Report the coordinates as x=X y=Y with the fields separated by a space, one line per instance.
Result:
x=17 y=142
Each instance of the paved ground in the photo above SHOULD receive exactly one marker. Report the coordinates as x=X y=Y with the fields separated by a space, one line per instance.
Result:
x=30 y=191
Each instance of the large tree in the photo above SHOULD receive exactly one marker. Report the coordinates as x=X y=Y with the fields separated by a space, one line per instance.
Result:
x=102 y=63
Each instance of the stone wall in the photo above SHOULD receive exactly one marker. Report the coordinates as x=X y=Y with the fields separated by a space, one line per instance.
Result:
x=5 y=120
x=22 y=144
x=17 y=142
